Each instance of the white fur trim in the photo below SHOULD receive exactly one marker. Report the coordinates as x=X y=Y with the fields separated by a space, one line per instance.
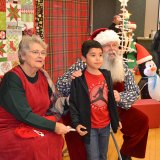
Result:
x=107 y=36
x=145 y=59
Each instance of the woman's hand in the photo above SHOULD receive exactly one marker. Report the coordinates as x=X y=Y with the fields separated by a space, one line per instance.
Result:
x=76 y=74
x=61 y=128
x=82 y=130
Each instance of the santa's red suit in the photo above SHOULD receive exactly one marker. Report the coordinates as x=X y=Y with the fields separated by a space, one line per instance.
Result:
x=134 y=123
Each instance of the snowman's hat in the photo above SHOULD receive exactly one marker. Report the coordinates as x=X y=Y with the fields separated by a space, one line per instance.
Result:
x=142 y=54
x=104 y=35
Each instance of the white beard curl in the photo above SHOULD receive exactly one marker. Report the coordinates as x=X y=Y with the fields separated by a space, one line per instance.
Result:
x=115 y=66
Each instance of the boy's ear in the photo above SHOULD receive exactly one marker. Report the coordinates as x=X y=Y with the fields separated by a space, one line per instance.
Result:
x=83 y=58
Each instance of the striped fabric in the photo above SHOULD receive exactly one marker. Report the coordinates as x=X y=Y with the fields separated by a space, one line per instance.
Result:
x=65 y=28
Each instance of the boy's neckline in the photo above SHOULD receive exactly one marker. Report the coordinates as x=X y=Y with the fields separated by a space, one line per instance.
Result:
x=98 y=73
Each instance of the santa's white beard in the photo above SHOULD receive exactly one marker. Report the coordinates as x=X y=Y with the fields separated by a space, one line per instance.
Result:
x=115 y=66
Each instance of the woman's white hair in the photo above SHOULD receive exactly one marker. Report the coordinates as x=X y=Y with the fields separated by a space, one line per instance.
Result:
x=25 y=43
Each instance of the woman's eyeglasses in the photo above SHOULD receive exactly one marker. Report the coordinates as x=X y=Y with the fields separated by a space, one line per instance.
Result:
x=37 y=52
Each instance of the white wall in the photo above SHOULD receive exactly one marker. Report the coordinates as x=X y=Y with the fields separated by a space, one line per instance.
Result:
x=151 y=16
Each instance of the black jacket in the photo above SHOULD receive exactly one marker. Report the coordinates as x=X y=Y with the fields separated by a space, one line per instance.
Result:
x=80 y=103
x=155 y=48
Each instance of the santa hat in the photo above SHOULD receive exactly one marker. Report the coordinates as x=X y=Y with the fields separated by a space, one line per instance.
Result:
x=142 y=54
x=104 y=35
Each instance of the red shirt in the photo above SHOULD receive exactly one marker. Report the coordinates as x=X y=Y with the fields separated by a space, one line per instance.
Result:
x=98 y=91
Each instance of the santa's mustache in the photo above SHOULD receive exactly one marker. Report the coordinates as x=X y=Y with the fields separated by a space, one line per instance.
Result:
x=112 y=53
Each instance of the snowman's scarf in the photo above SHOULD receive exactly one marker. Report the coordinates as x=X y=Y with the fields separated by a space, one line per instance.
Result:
x=155 y=80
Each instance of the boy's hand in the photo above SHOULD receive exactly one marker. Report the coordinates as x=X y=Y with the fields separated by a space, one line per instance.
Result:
x=120 y=125
x=117 y=96
x=82 y=130
x=76 y=74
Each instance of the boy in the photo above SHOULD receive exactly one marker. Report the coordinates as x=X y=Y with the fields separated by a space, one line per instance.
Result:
x=92 y=104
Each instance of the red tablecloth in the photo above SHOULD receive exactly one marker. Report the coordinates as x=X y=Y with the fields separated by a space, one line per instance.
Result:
x=151 y=108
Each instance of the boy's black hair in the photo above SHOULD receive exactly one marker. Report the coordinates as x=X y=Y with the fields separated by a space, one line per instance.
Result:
x=89 y=44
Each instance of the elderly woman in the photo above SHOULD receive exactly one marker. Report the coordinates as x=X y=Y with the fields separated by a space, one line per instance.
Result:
x=25 y=130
